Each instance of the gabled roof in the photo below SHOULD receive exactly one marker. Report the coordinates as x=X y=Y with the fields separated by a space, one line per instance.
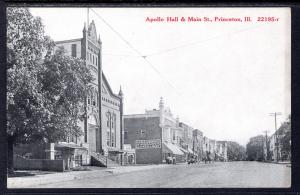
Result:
x=108 y=87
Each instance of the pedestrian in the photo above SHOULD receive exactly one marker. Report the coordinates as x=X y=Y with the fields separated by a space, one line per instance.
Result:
x=174 y=160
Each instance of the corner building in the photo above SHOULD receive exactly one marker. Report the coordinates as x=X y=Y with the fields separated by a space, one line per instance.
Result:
x=103 y=124
x=155 y=136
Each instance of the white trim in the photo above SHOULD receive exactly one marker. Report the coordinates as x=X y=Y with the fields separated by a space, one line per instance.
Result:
x=141 y=115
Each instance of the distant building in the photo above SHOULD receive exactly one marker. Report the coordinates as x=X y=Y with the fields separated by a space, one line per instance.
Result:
x=187 y=136
x=221 y=151
x=198 y=144
x=274 y=154
x=205 y=146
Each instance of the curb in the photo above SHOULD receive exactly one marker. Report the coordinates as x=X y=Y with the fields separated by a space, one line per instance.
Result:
x=24 y=182
x=30 y=182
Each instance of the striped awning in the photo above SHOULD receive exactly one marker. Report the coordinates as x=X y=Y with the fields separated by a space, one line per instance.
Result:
x=184 y=150
x=171 y=148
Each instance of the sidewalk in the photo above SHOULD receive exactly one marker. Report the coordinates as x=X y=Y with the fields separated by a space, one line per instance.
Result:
x=279 y=162
x=26 y=182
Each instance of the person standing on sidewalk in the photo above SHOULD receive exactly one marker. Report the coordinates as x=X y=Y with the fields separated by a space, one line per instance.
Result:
x=174 y=160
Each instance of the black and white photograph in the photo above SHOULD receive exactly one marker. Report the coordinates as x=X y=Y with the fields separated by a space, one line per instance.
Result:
x=148 y=97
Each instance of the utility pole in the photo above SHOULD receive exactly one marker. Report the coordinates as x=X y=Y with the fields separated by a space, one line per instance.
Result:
x=266 y=142
x=275 y=114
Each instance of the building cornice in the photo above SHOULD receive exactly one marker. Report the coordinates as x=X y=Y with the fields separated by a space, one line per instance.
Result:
x=68 y=41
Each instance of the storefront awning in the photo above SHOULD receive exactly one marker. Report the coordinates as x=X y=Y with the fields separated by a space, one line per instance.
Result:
x=70 y=145
x=114 y=150
x=219 y=155
x=184 y=150
x=171 y=148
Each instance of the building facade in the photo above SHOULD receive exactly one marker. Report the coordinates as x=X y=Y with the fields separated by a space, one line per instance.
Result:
x=198 y=144
x=187 y=136
x=103 y=124
x=155 y=136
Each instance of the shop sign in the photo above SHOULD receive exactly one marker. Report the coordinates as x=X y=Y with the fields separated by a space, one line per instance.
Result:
x=148 y=144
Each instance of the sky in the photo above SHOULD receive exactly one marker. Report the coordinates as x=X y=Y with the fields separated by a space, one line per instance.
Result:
x=223 y=78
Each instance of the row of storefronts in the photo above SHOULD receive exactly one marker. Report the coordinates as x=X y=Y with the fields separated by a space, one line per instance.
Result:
x=157 y=136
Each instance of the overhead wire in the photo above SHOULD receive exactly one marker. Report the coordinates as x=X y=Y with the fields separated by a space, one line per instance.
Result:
x=134 y=49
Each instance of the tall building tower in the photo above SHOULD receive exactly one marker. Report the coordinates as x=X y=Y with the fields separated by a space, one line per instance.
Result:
x=102 y=126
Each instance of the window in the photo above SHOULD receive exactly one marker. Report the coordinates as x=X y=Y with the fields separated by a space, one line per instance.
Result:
x=174 y=137
x=107 y=137
x=112 y=139
x=89 y=100
x=73 y=49
x=85 y=135
x=143 y=133
x=96 y=60
x=125 y=134
x=111 y=124
x=96 y=98
x=90 y=57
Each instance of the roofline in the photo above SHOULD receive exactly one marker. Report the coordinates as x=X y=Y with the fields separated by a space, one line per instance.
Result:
x=109 y=88
x=129 y=116
x=66 y=41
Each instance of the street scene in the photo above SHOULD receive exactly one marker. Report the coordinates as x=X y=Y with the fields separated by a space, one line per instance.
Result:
x=96 y=102
x=216 y=175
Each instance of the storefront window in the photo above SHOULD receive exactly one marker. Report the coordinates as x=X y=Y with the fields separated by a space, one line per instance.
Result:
x=112 y=139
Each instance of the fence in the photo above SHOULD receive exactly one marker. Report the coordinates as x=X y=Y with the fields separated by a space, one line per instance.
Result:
x=38 y=164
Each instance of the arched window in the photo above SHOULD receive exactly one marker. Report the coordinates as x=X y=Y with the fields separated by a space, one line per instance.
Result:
x=111 y=129
x=97 y=99
x=94 y=99
x=108 y=131
x=89 y=100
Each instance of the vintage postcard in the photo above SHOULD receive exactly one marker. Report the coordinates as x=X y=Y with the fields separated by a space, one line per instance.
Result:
x=149 y=97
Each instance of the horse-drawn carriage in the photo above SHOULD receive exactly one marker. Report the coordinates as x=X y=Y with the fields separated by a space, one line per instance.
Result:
x=192 y=159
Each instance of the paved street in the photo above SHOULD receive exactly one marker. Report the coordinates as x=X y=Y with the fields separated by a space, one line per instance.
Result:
x=216 y=175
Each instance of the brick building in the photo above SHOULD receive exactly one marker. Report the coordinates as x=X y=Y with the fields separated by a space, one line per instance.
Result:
x=154 y=135
x=198 y=144
x=103 y=124
x=187 y=137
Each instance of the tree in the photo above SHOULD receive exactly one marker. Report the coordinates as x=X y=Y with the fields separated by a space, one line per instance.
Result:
x=255 y=148
x=235 y=151
x=65 y=83
x=26 y=44
x=45 y=89
x=284 y=138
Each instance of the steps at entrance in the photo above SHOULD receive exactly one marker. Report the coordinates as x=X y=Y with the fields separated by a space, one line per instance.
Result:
x=100 y=160
x=111 y=163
